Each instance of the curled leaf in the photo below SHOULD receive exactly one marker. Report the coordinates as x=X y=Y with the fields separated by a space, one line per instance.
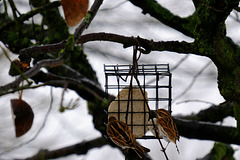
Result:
x=17 y=67
x=22 y=115
x=74 y=10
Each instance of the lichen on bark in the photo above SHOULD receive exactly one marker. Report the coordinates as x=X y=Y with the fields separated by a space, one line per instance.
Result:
x=211 y=41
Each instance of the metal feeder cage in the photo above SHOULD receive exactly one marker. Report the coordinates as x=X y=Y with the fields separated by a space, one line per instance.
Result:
x=131 y=103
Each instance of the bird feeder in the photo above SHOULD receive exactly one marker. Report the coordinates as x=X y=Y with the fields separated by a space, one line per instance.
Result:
x=148 y=88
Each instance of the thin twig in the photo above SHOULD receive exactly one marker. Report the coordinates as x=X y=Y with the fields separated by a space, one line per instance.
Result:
x=30 y=73
x=197 y=100
x=114 y=7
x=80 y=149
x=193 y=81
x=22 y=88
x=15 y=66
x=87 y=20
x=43 y=49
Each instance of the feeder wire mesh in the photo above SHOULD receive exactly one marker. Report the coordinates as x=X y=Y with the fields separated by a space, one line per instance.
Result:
x=153 y=93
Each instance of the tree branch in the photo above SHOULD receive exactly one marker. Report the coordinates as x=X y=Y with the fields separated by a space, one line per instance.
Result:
x=207 y=131
x=87 y=20
x=30 y=73
x=30 y=14
x=165 y=16
x=212 y=114
x=80 y=148
x=85 y=87
x=220 y=151
x=195 y=77
x=148 y=45
x=26 y=54
x=188 y=129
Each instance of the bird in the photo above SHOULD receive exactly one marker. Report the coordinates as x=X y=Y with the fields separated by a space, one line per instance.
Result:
x=165 y=127
x=121 y=135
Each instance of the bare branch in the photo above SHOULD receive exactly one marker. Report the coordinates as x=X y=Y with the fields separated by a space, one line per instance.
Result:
x=212 y=114
x=148 y=45
x=27 y=53
x=80 y=148
x=193 y=81
x=87 y=20
x=207 y=131
x=86 y=88
x=30 y=73
x=30 y=14
x=165 y=16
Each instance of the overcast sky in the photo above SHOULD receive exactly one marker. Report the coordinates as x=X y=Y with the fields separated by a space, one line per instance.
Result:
x=74 y=126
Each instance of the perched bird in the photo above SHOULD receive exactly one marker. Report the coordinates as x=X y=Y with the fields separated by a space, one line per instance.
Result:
x=165 y=127
x=122 y=136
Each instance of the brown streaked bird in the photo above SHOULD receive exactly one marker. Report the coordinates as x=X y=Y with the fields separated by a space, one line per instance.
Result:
x=122 y=136
x=166 y=128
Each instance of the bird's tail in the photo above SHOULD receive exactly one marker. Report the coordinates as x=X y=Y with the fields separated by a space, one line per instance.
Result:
x=140 y=150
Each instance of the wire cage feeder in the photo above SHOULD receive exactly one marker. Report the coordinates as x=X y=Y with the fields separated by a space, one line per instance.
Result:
x=149 y=88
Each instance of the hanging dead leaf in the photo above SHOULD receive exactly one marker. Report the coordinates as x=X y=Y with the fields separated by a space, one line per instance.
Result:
x=74 y=10
x=22 y=115
x=17 y=67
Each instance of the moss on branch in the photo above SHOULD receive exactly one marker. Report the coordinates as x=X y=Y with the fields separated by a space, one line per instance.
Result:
x=212 y=114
